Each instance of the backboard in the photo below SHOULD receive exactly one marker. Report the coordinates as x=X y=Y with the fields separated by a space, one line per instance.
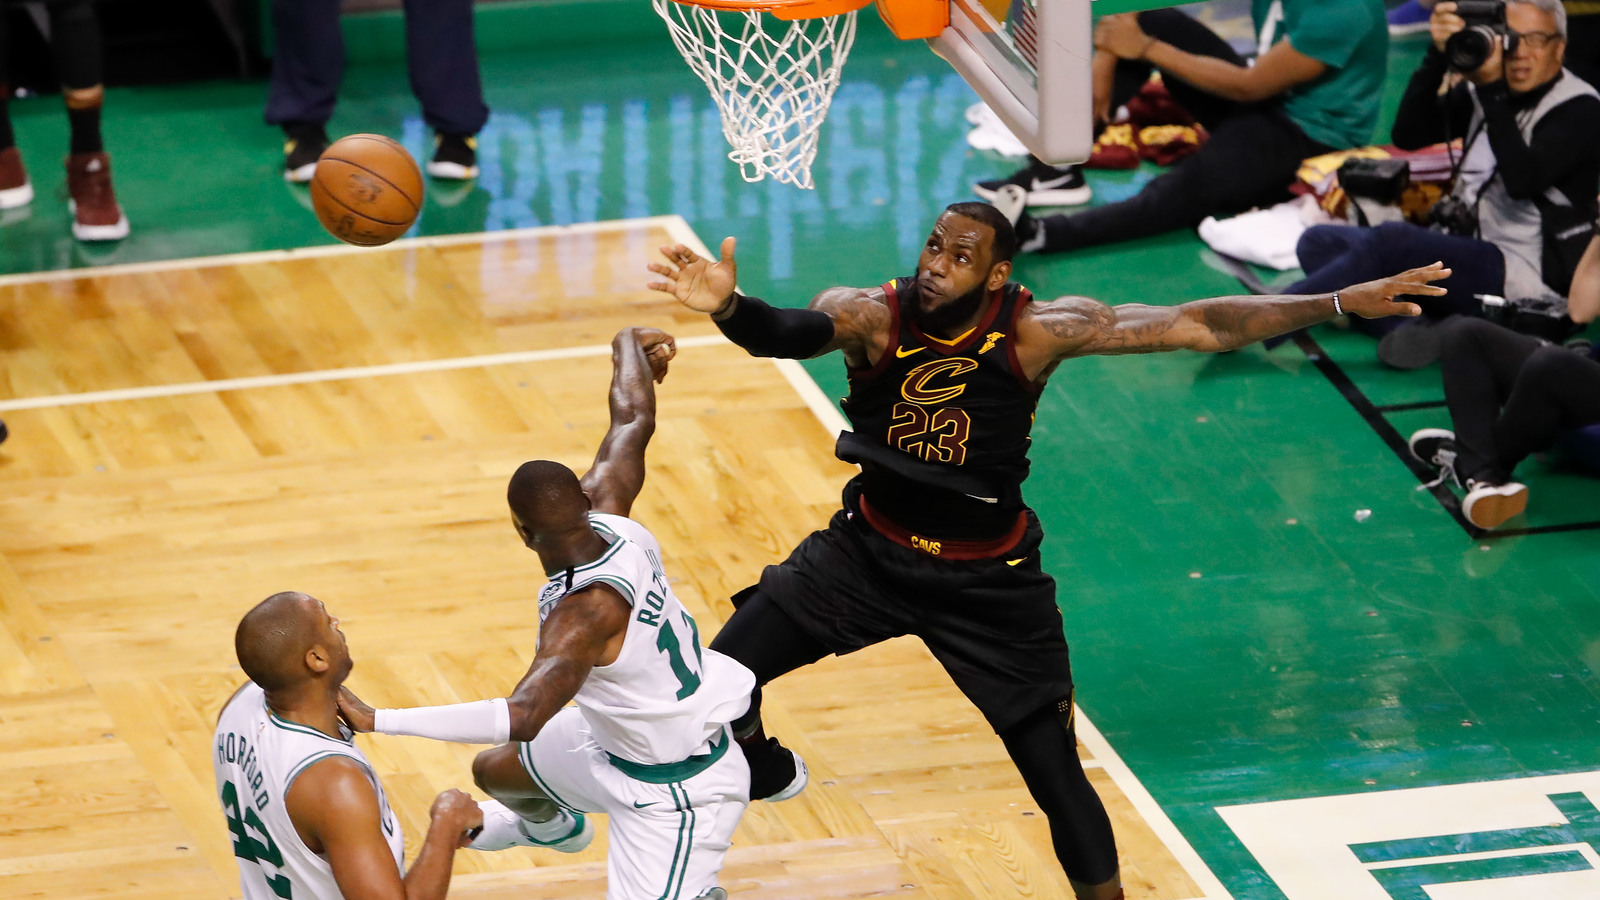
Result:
x=1029 y=60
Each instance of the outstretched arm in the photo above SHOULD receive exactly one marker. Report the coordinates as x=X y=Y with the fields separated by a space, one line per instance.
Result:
x=639 y=358
x=851 y=320
x=1078 y=326
x=583 y=631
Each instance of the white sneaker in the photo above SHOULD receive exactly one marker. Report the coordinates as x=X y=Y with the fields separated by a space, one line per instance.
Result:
x=568 y=832
x=1488 y=506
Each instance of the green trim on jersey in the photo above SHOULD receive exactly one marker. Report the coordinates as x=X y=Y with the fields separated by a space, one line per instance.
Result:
x=287 y=725
x=310 y=761
x=669 y=773
x=604 y=557
x=616 y=581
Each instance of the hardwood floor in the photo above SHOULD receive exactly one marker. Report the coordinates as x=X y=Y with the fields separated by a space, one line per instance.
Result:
x=136 y=529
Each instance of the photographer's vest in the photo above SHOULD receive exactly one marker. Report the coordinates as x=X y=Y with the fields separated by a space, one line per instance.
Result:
x=1518 y=227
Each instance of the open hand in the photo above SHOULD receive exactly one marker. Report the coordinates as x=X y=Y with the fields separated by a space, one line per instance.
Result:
x=359 y=716
x=1376 y=299
x=696 y=282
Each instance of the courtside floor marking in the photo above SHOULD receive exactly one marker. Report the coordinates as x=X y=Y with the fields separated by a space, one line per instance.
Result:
x=289 y=378
x=1107 y=758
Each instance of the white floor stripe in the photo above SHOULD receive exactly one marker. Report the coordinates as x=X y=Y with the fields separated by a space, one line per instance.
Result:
x=336 y=249
x=290 y=378
x=1105 y=757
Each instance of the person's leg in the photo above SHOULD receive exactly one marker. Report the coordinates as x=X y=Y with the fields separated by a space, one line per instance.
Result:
x=1177 y=28
x=443 y=63
x=307 y=62
x=1044 y=749
x=770 y=643
x=1555 y=390
x=1321 y=246
x=79 y=58
x=15 y=189
x=996 y=629
x=540 y=789
x=1250 y=160
x=1480 y=363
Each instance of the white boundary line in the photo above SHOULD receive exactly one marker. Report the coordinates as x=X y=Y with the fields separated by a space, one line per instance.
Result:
x=322 y=375
x=321 y=250
x=1105 y=757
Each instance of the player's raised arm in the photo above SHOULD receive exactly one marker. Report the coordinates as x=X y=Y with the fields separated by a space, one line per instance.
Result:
x=639 y=358
x=1078 y=326
x=583 y=631
x=853 y=320
x=335 y=811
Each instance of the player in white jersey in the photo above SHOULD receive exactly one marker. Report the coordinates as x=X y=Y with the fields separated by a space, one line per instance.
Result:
x=307 y=816
x=648 y=741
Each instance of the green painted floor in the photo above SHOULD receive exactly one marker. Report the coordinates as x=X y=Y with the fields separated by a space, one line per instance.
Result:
x=1240 y=634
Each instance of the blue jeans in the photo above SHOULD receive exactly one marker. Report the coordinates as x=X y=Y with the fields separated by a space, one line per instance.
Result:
x=1338 y=256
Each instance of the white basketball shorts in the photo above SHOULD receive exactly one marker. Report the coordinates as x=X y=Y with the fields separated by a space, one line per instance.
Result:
x=669 y=827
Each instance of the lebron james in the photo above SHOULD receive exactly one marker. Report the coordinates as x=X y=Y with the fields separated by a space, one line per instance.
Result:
x=934 y=538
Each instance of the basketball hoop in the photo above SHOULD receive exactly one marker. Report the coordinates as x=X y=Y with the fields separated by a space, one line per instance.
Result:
x=773 y=89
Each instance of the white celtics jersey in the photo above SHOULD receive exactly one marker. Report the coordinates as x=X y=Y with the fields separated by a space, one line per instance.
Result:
x=257 y=757
x=665 y=695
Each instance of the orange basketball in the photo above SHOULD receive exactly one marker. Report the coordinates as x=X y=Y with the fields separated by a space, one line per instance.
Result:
x=367 y=190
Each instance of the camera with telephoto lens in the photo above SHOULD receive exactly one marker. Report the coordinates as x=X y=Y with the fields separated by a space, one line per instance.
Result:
x=1455 y=216
x=1468 y=49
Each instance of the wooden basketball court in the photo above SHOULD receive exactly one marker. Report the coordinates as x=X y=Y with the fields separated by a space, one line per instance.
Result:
x=188 y=438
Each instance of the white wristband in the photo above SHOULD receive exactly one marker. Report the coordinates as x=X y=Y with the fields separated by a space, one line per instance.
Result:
x=479 y=722
x=1337 y=309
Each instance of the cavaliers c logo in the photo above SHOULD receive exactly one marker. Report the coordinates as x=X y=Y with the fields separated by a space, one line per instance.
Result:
x=931 y=383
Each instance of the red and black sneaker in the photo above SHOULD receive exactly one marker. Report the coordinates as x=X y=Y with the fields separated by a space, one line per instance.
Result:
x=95 y=213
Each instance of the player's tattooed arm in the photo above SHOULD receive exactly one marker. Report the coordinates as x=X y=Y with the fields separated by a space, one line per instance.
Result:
x=1078 y=326
x=639 y=358
x=861 y=321
x=583 y=631
x=335 y=812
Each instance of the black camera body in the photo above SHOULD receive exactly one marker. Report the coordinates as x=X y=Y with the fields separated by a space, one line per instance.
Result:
x=1468 y=49
x=1456 y=216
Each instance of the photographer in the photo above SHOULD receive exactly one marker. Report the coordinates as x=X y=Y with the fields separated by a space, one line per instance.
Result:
x=1519 y=216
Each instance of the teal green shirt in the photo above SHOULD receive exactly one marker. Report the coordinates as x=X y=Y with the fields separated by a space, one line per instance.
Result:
x=1350 y=37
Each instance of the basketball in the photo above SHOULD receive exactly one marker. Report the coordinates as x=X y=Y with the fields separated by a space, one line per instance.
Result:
x=367 y=190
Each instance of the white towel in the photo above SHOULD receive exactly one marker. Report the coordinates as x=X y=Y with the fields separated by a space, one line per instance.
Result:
x=992 y=134
x=1266 y=237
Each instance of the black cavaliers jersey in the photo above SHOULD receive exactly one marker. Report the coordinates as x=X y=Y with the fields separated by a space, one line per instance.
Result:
x=941 y=429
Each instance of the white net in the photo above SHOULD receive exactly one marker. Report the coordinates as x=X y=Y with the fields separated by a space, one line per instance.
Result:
x=772 y=89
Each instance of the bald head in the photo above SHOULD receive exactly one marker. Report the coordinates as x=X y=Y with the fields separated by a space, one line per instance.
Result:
x=546 y=498
x=275 y=637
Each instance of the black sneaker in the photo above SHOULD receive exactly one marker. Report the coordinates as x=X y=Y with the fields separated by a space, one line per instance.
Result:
x=776 y=772
x=1437 y=448
x=1045 y=185
x=302 y=147
x=1012 y=202
x=1413 y=345
x=455 y=157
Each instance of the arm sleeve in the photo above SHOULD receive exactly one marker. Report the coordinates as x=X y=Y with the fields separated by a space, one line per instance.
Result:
x=1424 y=117
x=783 y=333
x=1564 y=139
x=480 y=722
